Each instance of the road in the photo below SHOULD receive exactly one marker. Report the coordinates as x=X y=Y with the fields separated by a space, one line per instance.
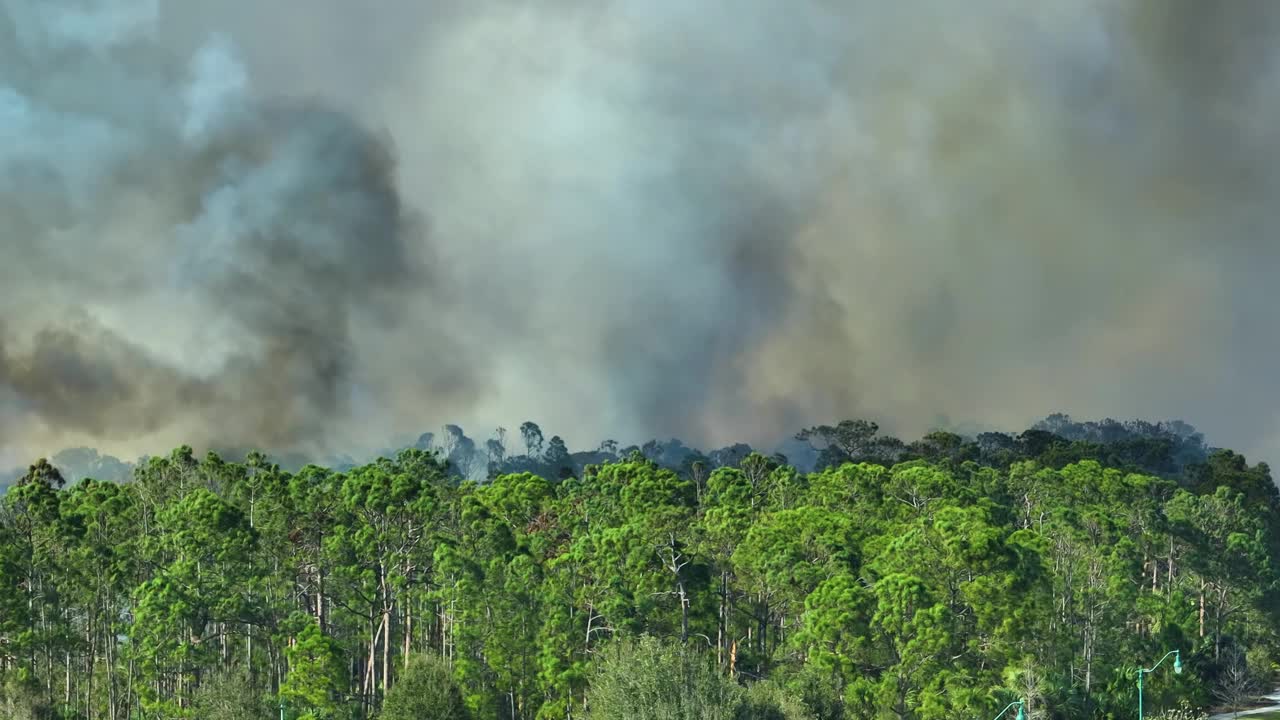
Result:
x=1274 y=706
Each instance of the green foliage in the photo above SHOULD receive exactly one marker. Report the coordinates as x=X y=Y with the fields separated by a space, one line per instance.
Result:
x=650 y=679
x=817 y=690
x=769 y=700
x=936 y=579
x=647 y=679
x=228 y=695
x=22 y=699
x=312 y=689
x=426 y=691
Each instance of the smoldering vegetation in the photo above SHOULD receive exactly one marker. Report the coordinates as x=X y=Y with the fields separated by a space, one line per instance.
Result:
x=311 y=229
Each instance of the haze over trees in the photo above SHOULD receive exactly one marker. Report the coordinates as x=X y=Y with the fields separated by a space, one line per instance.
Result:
x=936 y=578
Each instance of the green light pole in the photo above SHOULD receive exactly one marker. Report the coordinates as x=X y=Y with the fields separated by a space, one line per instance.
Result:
x=1021 y=715
x=1177 y=670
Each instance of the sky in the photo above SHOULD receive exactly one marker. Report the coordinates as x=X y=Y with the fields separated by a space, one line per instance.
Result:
x=312 y=225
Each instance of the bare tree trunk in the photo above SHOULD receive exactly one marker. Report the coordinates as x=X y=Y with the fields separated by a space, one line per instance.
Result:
x=373 y=654
x=128 y=686
x=111 y=673
x=248 y=652
x=386 y=648
x=443 y=646
x=319 y=597
x=1217 y=622
x=48 y=651
x=386 y=626
x=763 y=627
x=89 y=667
x=408 y=630
x=1202 y=607
x=720 y=622
x=684 y=612
x=1088 y=663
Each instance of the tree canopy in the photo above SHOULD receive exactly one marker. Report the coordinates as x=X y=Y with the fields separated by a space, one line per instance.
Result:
x=939 y=578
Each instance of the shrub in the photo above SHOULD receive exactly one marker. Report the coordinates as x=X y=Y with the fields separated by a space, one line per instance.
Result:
x=229 y=696
x=426 y=691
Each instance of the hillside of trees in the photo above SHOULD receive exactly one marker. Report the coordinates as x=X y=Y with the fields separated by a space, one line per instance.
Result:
x=855 y=576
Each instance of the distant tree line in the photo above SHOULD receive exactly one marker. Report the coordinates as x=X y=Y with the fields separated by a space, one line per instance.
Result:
x=939 y=578
x=1167 y=449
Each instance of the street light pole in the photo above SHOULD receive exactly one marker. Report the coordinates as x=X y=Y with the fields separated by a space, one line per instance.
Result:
x=1021 y=715
x=1177 y=670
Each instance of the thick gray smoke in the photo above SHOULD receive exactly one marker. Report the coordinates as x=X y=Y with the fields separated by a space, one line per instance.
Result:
x=179 y=255
x=719 y=220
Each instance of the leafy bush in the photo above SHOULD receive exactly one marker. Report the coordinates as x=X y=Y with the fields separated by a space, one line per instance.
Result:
x=647 y=679
x=426 y=691
x=229 y=696
x=769 y=700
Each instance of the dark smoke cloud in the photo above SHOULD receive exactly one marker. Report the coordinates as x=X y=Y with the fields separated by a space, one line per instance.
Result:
x=215 y=250
x=717 y=220
x=85 y=378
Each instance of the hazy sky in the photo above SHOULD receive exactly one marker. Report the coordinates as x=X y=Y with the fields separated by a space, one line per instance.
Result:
x=320 y=224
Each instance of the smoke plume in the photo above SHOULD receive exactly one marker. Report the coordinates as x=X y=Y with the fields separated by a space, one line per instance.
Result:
x=310 y=224
x=181 y=255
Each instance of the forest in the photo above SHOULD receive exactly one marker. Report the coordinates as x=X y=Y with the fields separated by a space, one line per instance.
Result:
x=863 y=578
